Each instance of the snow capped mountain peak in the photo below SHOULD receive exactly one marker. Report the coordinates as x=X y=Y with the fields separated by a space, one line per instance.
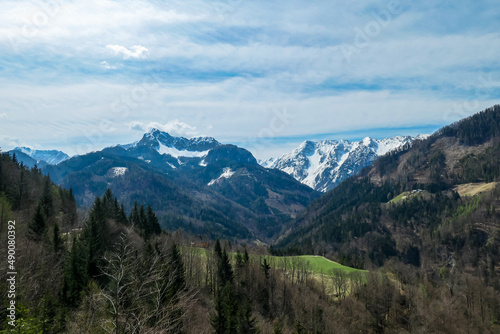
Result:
x=367 y=141
x=51 y=157
x=323 y=165
x=164 y=143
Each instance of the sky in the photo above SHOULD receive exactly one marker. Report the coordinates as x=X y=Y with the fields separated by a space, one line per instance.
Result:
x=266 y=75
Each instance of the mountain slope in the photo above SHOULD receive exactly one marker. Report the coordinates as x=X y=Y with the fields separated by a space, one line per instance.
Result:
x=323 y=165
x=196 y=184
x=405 y=206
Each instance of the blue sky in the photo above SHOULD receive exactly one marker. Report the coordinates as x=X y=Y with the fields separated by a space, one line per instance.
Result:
x=81 y=75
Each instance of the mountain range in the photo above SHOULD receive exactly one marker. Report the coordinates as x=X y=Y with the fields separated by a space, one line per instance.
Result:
x=320 y=165
x=324 y=165
x=197 y=184
x=206 y=187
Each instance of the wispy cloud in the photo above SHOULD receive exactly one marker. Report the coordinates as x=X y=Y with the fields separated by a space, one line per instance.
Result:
x=221 y=68
x=174 y=127
x=136 y=51
x=107 y=66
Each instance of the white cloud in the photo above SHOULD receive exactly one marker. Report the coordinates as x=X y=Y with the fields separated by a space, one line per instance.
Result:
x=136 y=51
x=224 y=68
x=3 y=115
x=8 y=143
x=174 y=128
x=108 y=66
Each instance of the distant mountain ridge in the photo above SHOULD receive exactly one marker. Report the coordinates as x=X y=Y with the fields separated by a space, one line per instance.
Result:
x=50 y=157
x=325 y=164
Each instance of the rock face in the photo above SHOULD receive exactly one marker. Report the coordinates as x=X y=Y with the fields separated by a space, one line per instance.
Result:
x=323 y=165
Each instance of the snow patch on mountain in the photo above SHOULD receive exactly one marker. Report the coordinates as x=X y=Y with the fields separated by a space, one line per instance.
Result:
x=117 y=171
x=267 y=163
x=174 y=152
x=226 y=174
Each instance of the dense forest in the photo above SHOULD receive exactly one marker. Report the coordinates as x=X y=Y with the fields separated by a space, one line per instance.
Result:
x=113 y=273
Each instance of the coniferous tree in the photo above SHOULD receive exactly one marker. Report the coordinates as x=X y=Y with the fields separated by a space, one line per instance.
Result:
x=143 y=222
x=122 y=216
x=265 y=268
x=246 y=323
x=37 y=226
x=116 y=209
x=93 y=238
x=175 y=284
x=22 y=189
x=177 y=270
x=47 y=200
x=108 y=202
x=57 y=241
x=246 y=257
x=134 y=216
x=225 y=320
x=71 y=209
x=5 y=212
x=153 y=225
x=225 y=270
x=75 y=276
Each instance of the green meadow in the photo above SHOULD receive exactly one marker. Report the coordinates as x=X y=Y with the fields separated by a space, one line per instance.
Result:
x=316 y=264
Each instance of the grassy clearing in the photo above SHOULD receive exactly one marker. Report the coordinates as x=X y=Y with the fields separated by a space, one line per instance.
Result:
x=316 y=264
x=399 y=198
x=320 y=264
x=472 y=189
x=406 y=195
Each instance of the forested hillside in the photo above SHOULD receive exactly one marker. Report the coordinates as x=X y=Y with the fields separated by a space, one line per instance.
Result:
x=434 y=206
x=219 y=193
x=408 y=199
x=113 y=272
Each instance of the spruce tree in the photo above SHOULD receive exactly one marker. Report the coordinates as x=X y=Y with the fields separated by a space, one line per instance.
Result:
x=134 y=216
x=177 y=270
x=57 y=241
x=75 y=275
x=93 y=238
x=37 y=226
x=5 y=212
x=225 y=320
x=246 y=323
x=153 y=225
x=175 y=284
x=47 y=200
x=265 y=268
x=122 y=216
x=143 y=223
